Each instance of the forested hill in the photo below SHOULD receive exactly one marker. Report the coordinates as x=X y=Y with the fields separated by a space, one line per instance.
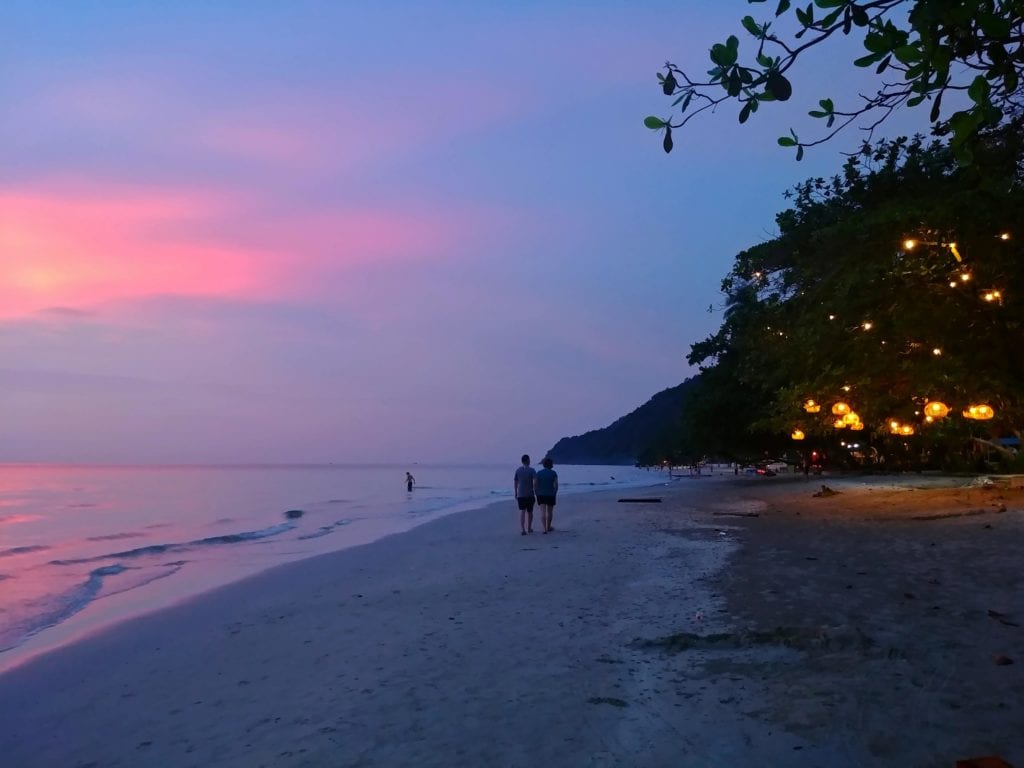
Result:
x=631 y=437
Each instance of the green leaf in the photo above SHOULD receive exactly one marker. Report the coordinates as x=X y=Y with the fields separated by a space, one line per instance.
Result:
x=859 y=15
x=907 y=54
x=827 y=105
x=779 y=86
x=735 y=83
x=830 y=19
x=799 y=154
x=978 y=90
x=875 y=43
x=995 y=26
x=816 y=113
x=668 y=86
x=666 y=144
x=783 y=7
x=829 y=3
x=654 y=123
x=751 y=26
x=764 y=61
x=867 y=61
x=934 y=115
x=915 y=100
x=786 y=141
x=883 y=65
x=745 y=112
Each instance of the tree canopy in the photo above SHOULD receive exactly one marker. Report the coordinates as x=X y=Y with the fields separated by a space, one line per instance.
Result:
x=895 y=284
x=921 y=50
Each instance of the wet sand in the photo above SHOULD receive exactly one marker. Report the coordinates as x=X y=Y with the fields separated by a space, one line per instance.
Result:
x=824 y=631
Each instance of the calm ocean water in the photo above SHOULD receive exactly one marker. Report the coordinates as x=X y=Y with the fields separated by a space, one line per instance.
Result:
x=83 y=547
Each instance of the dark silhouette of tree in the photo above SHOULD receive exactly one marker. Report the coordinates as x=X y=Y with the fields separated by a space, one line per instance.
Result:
x=921 y=51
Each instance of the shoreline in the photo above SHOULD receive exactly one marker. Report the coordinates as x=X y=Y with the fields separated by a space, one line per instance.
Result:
x=635 y=634
x=202 y=577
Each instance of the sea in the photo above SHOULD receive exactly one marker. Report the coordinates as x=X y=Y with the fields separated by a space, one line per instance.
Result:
x=86 y=547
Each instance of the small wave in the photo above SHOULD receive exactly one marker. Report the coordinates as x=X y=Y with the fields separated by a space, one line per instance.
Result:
x=60 y=608
x=169 y=569
x=323 y=530
x=22 y=550
x=156 y=549
x=234 y=538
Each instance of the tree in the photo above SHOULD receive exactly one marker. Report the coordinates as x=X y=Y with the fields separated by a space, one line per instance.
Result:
x=932 y=47
x=896 y=283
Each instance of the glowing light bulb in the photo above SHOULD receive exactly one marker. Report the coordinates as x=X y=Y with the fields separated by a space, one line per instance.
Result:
x=952 y=284
x=867 y=325
x=1004 y=236
x=846 y=387
x=831 y=317
x=909 y=244
x=936 y=351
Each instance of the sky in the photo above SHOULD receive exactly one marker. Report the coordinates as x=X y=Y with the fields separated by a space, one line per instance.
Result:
x=363 y=232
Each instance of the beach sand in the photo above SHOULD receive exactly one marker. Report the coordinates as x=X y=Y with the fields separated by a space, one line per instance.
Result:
x=837 y=631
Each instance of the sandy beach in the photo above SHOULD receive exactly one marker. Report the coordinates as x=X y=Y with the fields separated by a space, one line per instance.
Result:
x=739 y=622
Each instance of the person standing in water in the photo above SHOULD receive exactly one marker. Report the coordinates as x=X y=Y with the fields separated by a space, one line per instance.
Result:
x=522 y=487
x=410 y=481
x=546 y=486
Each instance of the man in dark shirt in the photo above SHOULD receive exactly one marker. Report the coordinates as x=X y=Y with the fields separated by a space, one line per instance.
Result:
x=523 y=490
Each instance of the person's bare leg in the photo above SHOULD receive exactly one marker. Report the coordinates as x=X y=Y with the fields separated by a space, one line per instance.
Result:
x=522 y=520
x=529 y=521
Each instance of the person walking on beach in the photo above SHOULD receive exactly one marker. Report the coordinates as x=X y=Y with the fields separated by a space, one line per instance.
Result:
x=546 y=486
x=410 y=481
x=523 y=489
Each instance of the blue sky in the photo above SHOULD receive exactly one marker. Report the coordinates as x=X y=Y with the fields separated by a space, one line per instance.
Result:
x=344 y=232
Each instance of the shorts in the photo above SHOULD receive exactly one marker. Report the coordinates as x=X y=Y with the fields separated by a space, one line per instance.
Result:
x=525 y=503
x=546 y=501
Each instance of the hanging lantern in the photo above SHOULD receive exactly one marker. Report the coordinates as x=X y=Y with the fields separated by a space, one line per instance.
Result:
x=812 y=407
x=906 y=429
x=840 y=409
x=894 y=427
x=857 y=427
x=979 y=412
x=839 y=424
x=851 y=418
x=936 y=409
x=797 y=434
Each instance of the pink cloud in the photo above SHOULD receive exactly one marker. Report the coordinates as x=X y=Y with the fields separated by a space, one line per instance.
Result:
x=80 y=245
